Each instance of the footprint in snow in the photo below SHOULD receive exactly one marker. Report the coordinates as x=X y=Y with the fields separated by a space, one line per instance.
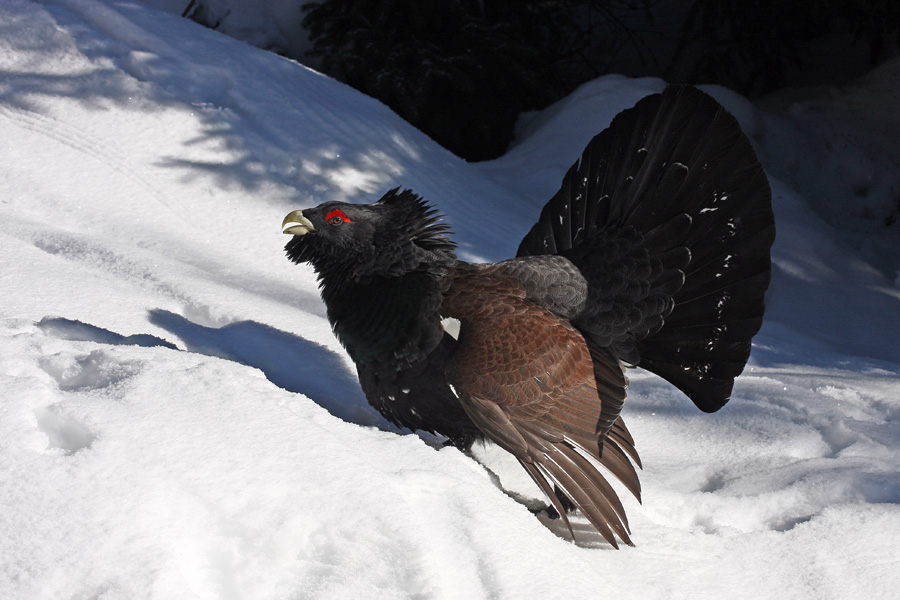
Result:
x=96 y=370
x=63 y=431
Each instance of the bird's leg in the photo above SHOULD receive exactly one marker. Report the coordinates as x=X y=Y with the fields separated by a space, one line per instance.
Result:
x=551 y=512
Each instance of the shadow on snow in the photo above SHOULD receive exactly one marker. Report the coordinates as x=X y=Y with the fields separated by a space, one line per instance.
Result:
x=287 y=360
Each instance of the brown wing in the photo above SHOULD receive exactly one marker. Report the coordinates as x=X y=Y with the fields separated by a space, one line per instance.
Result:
x=527 y=380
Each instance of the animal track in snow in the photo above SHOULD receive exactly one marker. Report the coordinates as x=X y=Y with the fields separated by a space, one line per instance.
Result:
x=788 y=523
x=83 y=142
x=92 y=371
x=64 y=431
x=97 y=370
x=714 y=483
x=114 y=264
x=97 y=256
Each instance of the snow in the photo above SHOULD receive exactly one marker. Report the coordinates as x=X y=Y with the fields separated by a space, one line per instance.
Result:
x=274 y=25
x=178 y=421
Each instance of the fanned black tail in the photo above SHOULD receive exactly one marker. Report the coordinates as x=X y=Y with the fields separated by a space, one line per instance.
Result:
x=677 y=170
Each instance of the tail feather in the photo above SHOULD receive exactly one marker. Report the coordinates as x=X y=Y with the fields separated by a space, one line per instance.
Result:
x=677 y=169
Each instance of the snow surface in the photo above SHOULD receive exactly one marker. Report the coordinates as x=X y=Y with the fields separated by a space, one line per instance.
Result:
x=275 y=25
x=177 y=420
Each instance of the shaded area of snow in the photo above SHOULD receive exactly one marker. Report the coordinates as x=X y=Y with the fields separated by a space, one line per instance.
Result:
x=177 y=420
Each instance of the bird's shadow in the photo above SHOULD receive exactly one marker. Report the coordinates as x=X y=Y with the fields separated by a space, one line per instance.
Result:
x=287 y=360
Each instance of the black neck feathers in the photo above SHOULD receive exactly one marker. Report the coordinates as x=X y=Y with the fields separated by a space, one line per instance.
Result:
x=387 y=321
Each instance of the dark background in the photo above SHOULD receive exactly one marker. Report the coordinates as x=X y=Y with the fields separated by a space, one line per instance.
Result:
x=463 y=70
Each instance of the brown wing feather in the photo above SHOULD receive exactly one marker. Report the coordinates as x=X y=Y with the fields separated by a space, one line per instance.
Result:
x=527 y=380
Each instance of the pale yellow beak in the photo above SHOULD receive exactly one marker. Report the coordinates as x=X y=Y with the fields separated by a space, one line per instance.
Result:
x=296 y=224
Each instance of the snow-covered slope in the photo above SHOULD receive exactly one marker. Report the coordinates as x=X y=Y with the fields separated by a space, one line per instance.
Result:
x=177 y=420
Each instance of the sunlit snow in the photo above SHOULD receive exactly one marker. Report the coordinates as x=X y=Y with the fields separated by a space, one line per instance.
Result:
x=178 y=421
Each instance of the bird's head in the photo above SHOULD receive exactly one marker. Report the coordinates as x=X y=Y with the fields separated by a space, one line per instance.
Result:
x=395 y=235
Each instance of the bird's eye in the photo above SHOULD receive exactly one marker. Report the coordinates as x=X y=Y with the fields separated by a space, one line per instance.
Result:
x=337 y=217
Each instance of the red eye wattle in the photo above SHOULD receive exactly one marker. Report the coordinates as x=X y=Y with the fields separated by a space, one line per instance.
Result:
x=336 y=217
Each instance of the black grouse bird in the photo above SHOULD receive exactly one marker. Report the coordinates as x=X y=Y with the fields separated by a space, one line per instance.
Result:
x=654 y=252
